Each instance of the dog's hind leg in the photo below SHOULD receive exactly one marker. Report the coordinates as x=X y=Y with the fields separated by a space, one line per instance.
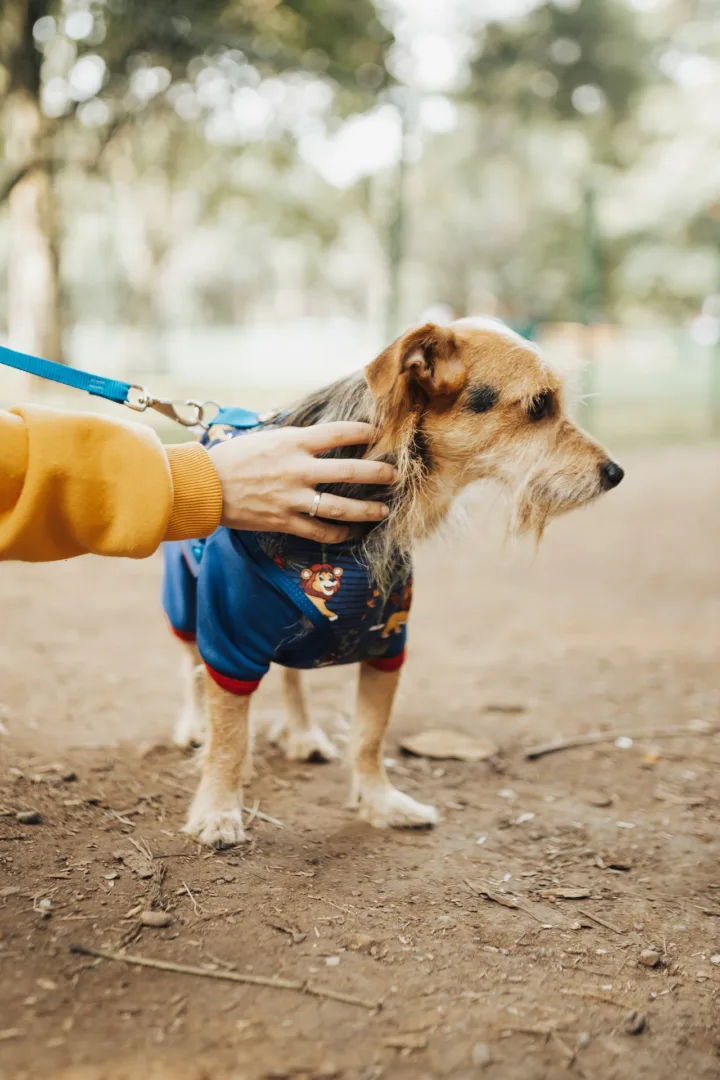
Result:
x=380 y=803
x=191 y=725
x=215 y=817
x=301 y=739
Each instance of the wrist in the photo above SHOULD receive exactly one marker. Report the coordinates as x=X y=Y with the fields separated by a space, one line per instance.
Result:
x=197 y=493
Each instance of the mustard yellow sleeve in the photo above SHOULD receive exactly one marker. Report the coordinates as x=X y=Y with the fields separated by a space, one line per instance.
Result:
x=73 y=483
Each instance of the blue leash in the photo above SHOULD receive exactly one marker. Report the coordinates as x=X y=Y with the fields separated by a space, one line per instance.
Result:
x=132 y=395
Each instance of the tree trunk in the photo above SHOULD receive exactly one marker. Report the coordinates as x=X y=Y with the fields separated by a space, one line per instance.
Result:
x=34 y=323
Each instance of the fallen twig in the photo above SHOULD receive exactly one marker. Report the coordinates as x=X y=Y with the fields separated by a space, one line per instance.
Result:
x=601 y=922
x=592 y=995
x=255 y=813
x=196 y=906
x=534 y=752
x=498 y=898
x=229 y=976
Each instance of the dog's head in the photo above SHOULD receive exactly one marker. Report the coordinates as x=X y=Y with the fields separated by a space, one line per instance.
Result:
x=474 y=401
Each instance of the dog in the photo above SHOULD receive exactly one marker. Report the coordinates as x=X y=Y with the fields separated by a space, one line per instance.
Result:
x=451 y=406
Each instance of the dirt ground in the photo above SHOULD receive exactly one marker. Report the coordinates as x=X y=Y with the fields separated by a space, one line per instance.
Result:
x=597 y=853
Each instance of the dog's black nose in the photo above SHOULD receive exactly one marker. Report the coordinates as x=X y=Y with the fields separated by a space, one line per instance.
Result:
x=611 y=474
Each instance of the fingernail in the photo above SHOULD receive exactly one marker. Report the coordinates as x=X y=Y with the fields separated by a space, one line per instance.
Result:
x=396 y=475
x=384 y=510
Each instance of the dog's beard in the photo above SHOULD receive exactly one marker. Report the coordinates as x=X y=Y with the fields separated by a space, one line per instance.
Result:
x=550 y=493
x=540 y=488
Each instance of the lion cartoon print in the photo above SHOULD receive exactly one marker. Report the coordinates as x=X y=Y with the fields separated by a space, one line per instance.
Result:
x=399 y=618
x=320 y=583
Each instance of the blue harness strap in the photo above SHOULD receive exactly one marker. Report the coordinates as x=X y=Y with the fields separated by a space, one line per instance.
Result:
x=111 y=389
x=235 y=418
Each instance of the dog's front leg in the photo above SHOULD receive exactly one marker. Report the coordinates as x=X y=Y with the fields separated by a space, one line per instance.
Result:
x=216 y=813
x=302 y=740
x=379 y=802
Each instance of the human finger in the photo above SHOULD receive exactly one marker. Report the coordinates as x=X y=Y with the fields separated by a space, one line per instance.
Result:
x=339 y=509
x=339 y=433
x=311 y=529
x=349 y=471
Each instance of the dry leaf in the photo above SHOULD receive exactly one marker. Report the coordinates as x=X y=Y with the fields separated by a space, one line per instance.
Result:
x=448 y=743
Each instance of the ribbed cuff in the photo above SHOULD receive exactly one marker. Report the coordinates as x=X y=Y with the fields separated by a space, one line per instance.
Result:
x=197 y=493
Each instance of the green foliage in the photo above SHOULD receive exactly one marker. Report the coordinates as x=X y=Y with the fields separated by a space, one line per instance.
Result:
x=341 y=40
x=535 y=65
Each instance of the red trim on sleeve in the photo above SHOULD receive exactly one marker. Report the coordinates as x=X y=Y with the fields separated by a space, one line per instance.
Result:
x=388 y=663
x=233 y=686
x=184 y=635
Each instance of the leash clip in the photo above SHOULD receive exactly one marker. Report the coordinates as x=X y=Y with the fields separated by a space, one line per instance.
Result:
x=188 y=413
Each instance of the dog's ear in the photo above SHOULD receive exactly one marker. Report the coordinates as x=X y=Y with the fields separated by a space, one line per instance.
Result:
x=421 y=367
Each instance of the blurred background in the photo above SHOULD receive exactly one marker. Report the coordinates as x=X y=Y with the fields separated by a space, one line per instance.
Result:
x=241 y=199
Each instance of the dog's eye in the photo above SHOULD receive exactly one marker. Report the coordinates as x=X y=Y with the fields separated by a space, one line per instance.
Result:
x=482 y=398
x=541 y=406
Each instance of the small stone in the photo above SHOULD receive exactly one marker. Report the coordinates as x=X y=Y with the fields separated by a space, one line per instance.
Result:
x=649 y=958
x=28 y=817
x=481 y=1055
x=69 y=776
x=715 y=959
x=635 y=1022
x=156 y=919
x=44 y=906
x=332 y=961
x=599 y=798
x=583 y=1040
x=361 y=942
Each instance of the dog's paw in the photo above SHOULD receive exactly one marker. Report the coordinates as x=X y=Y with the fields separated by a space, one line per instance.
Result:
x=190 y=730
x=389 y=808
x=312 y=745
x=217 y=829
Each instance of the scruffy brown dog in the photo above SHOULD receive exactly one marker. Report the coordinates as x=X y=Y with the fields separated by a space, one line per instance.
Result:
x=451 y=406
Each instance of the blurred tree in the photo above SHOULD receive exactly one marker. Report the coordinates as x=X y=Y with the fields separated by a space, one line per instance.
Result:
x=33 y=300
x=113 y=62
x=549 y=97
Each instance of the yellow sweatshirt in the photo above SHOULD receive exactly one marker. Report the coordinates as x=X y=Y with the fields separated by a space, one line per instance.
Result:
x=72 y=483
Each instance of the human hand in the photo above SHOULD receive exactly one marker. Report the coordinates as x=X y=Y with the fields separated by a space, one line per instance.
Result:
x=268 y=480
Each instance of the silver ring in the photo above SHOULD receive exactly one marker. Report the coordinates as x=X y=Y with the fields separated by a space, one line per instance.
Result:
x=316 y=503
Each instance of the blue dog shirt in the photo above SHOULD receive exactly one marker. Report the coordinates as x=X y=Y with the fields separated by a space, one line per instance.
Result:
x=307 y=605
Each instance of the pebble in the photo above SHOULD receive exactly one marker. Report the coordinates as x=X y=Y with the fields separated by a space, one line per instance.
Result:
x=649 y=958
x=481 y=1055
x=28 y=817
x=155 y=919
x=44 y=906
x=583 y=1040
x=599 y=798
x=361 y=942
x=635 y=1022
